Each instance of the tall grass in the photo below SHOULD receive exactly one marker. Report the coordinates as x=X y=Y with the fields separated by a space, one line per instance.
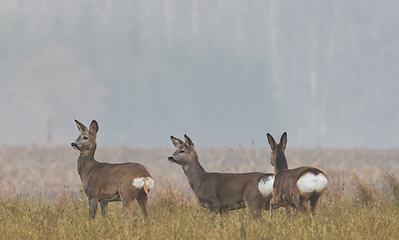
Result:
x=175 y=214
x=41 y=198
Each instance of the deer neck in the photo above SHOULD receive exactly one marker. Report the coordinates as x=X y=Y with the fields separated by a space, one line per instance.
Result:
x=194 y=172
x=86 y=160
x=281 y=162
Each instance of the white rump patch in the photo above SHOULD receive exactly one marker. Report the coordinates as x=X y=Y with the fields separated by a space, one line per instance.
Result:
x=265 y=185
x=310 y=182
x=139 y=182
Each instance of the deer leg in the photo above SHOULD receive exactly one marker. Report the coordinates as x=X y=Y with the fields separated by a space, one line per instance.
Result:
x=93 y=204
x=212 y=203
x=275 y=202
x=313 y=203
x=255 y=206
x=288 y=210
x=255 y=209
x=256 y=212
x=224 y=213
x=214 y=209
x=142 y=199
x=128 y=195
x=303 y=206
x=267 y=201
x=272 y=206
x=298 y=205
x=267 y=205
x=104 y=208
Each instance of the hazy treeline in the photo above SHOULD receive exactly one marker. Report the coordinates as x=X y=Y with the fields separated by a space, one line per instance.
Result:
x=224 y=72
x=44 y=171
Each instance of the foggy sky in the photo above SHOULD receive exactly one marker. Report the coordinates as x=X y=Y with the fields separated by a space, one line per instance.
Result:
x=223 y=72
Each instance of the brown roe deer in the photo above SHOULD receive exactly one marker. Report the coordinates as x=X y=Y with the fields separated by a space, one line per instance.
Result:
x=221 y=192
x=294 y=187
x=105 y=182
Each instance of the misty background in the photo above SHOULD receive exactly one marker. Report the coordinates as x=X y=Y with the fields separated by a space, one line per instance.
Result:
x=224 y=72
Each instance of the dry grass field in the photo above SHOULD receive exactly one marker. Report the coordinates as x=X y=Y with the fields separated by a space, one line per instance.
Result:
x=41 y=198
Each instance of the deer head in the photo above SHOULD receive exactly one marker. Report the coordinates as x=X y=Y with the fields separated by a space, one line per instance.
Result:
x=86 y=140
x=277 y=159
x=185 y=153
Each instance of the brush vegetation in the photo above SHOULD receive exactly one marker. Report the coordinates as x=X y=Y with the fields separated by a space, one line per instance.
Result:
x=175 y=214
x=41 y=197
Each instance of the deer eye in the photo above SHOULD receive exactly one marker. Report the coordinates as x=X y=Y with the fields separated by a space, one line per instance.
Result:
x=181 y=151
x=85 y=137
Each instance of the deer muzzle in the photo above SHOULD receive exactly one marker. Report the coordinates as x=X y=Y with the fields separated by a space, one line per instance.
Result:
x=171 y=159
x=74 y=145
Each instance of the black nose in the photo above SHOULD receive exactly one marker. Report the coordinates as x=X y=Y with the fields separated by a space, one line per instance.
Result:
x=74 y=145
x=171 y=159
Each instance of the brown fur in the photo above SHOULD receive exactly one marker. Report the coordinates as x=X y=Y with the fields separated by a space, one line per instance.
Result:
x=285 y=190
x=105 y=182
x=220 y=192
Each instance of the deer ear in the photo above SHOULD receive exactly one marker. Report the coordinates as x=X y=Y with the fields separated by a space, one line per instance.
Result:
x=188 y=141
x=81 y=126
x=177 y=142
x=283 y=140
x=271 y=141
x=94 y=127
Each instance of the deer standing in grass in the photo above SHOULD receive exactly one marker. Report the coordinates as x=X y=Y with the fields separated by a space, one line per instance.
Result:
x=105 y=182
x=221 y=192
x=294 y=187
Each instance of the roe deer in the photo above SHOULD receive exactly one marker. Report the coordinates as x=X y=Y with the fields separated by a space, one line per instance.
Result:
x=294 y=187
x=105 y=182
x=221 y=192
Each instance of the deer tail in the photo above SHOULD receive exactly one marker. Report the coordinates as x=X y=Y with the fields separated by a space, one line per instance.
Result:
x=145 y=188
x=145 y=183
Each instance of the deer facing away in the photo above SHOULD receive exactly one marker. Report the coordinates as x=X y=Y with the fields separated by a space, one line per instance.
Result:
x=221 y=192
x=294 y=187
x=105 y=182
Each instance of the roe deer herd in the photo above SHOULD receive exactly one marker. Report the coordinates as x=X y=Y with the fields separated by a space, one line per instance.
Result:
x=219 y=192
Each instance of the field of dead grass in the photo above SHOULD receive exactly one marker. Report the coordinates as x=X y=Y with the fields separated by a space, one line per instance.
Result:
x=41 y=198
